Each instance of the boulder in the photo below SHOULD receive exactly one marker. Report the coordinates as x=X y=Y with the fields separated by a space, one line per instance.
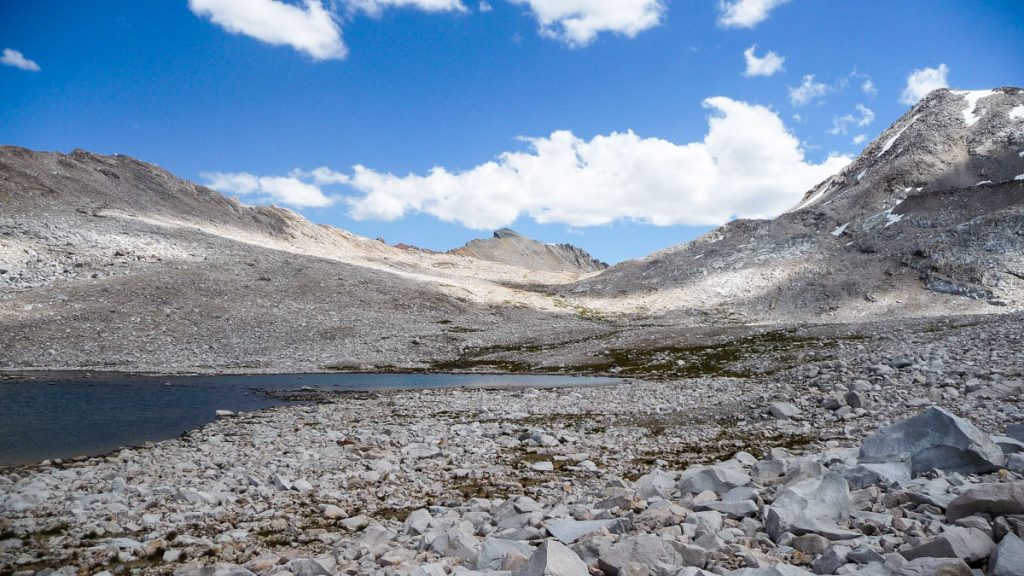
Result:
x=783 y=410
x=995 y=499
x=777 y=570
x=1015 y=431
x=656 y=483
x=1008 y=445
x=554 y=559
x=1008 y=558
x=811 y=506
x=662 y=557
x=494 y=550
x=567 y=530
x=831 y=560
x=718 y=479
x=967 y=544
x=935 y=567
x=880 y=473
x=934 y=439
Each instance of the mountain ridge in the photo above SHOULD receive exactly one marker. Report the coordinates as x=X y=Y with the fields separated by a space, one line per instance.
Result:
x=113 y=263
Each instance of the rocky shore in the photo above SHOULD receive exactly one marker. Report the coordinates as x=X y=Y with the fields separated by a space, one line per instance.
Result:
x=792 y=471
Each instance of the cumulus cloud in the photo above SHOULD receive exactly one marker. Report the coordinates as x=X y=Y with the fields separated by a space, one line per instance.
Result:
x=766 y=65
x=291 y=190
x=311 y=29
x=375 y=7
x=578 y=22
x=921 y=82
x=17 y=60
x=868 y=87
x=807 y=91
x=841 y=124
x=745 y=13
x=748 y=165
x=860 y=139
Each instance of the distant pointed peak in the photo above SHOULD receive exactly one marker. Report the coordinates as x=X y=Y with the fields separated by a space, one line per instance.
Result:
x=507 y=233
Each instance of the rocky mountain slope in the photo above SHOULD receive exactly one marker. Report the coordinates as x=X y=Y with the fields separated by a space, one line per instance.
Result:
x=934 y=206
x=510 y=247
x=110 y=262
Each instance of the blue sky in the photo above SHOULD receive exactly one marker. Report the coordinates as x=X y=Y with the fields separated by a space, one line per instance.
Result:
x=588 y=126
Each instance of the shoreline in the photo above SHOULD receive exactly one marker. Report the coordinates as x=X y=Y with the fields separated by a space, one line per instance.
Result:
x=343 y=483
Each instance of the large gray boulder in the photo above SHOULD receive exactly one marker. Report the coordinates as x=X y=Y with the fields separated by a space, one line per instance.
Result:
x=718 y=478
x=967 y=544
x=1008 y=559
x=995 y=499
x=934 y=439
x=568 y=530
x=812 y=506
x=777 y=570
x=662 y=557
x=494 y=550
x=554 y=559
x=935 y=567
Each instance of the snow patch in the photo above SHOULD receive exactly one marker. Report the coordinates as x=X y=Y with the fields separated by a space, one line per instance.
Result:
x=983 y=182
x=891 y=218
x=891 y=141
x=862 y=173
x=1017 y=113
x=972 y=97
x=839 y=230
x=1019 y=177
x=1021 y=153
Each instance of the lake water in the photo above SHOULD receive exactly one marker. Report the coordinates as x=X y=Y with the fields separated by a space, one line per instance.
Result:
x=47 y=416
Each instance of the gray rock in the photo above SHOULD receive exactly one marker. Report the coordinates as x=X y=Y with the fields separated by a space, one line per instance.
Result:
x=777 y=570
x=967 y=544
x=432 y=569
x=1008 y=558
x=494 y=550
x=831 y=560
x=783 y=410
x=1008 y=445
x=1015 y=431
x=554 y=559
x=995 y=499
x=935 y=567
x=880 y=473
x=417 y=522
x=934 y=439
x=736 y=510
x=311 y=567
x=457 y=543
x=811 y=506
x=663 y=557
x=655 y=483
x=719 y=479
x=568 y=530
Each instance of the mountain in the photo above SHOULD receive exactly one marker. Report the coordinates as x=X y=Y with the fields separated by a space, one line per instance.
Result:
x=107 y=262
x=510 y=247
x=928 y=220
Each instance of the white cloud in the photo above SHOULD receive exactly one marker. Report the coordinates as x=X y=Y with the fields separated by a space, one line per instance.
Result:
x=808 y=90
x=578 y=22
x=748 y=165
x=375 y=7
x=312 y=29
x=921 y=82
x=17 y=59
x=745 y=13
x=290 y=190
x=860 y=139
x=841 y=124
x=485 y=6
x=868 y=87
x=766 y=65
